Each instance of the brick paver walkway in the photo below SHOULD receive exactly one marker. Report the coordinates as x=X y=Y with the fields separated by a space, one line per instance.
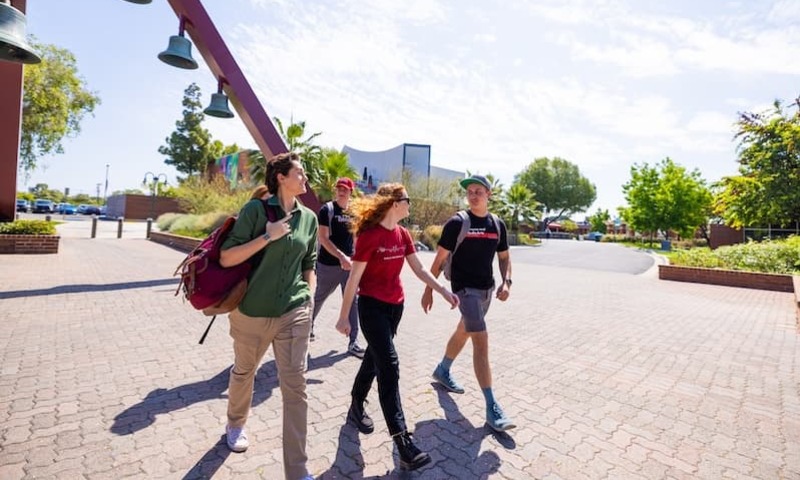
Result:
x=607 y=375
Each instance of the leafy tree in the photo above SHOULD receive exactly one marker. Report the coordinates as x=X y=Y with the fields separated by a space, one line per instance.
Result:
x=54 y=102
x=518 y=205
x=190 y=148
x=41 y=190
x=559 y=188
x=666 y=198
x=767 y=191
x=598 y=221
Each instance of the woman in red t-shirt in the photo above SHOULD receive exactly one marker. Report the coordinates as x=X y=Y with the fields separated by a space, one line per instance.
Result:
x=382 y=246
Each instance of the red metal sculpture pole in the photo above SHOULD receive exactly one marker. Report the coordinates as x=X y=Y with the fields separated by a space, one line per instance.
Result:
x=219 y=59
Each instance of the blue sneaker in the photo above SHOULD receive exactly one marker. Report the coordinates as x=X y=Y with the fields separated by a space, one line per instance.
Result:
x=445 y=379
x=497 y=420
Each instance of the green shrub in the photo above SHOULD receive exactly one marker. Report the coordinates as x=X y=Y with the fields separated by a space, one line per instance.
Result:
x=197 y=225
x=200 y=196
x=166 y=220
x=28 y=227
x=525 y=239
x=431 y=235
x=778 y=256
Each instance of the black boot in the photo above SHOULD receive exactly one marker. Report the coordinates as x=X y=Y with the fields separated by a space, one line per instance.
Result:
x=359 y=418
x=411 y=458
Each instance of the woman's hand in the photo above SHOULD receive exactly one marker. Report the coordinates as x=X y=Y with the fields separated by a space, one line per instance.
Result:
x=278 y=229
x=343 y=326
x=451 y=298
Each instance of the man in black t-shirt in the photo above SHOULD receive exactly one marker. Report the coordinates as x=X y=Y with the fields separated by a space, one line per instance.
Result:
x=333 y=261
x=472 y=280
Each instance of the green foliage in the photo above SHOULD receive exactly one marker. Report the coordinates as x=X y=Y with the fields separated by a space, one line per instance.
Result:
x=598 y=220
x=334 y=165
x=778 y=256
x=28 y=227
x=310 y=154
x=666 y=198
x=197 y=226
x=767 y=191
x=166 y=220
x=434 y=199
x=525 y=239
x=55 y=100
x=431 y=235
x=559 y=187
x=190 y=147
x=198 y=196
x=517 y=205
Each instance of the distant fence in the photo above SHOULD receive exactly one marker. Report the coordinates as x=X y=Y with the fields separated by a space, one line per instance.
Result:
x=766 y=233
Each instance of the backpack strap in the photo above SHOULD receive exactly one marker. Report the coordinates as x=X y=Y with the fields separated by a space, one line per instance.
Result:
x=270 y=210
x=465 y=225
x=330 y=217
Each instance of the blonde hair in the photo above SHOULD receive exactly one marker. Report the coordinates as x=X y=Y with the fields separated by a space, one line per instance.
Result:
x=367 y=212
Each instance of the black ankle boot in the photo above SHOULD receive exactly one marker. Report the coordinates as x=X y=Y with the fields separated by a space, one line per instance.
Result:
x=359 y=418
x=411 y=458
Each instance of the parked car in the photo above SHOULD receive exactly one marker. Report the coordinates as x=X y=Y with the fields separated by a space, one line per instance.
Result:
x=89 y=209
x=43 y=206
x=67 y=209
x=596 y=236
x=22 y=205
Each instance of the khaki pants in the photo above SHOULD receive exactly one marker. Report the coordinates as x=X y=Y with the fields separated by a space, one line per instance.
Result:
x=288 y=335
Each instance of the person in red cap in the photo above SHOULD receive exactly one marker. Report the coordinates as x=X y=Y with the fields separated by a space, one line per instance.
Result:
x=333 y=262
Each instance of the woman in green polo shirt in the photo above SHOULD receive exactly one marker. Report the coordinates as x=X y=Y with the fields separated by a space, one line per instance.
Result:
x=276 y=310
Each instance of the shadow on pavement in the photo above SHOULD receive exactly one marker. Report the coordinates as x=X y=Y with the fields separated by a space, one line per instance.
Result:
x=460 y=439
x=207 y=466
x=87 y=287
x=162 y=400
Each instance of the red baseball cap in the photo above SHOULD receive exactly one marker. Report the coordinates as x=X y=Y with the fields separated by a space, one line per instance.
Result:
x=347 y=183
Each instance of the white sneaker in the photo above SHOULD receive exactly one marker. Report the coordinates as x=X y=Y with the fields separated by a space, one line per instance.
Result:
x=236 y=438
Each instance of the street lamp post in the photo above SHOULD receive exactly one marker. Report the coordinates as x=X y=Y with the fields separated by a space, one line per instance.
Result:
x=105 y=191
x=156 y=179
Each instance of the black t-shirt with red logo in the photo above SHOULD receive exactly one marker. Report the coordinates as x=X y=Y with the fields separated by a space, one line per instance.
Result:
x=339 y=231
x=472 y=262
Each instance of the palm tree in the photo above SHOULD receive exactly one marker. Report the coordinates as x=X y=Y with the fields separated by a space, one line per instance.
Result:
x=335 y=165
x=310 y=154
x=519 y=204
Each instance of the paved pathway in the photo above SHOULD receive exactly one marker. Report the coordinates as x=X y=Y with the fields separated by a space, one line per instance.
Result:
x=609 y=375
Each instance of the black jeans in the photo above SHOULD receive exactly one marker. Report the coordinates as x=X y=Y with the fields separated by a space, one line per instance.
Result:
x=379 y=322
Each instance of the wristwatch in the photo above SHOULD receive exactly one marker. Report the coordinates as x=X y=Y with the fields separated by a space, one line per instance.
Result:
x=266 y=236
x=508 y=281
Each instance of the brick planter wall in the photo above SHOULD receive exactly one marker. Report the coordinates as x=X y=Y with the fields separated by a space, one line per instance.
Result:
x=17 y=243
x=178 y=242
x=730 y=278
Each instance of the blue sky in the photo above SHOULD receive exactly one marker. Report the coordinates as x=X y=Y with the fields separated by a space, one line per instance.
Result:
x=490 y=85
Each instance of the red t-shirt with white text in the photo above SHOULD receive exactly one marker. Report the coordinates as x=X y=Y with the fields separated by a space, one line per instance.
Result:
x=385 y=252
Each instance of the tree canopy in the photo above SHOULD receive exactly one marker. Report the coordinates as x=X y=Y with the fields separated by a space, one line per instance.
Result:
x=665 y=198
x=558 y=186
x=190 y=147
x=767 y=189
x=54 y=102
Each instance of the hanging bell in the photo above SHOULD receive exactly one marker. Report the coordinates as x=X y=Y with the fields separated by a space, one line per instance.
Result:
x=178 y=53
x=13 y=47
x=219 y=106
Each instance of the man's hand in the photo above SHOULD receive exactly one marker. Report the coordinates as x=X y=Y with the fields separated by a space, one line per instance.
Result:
x=503 y=292
x=345 y=263
x=427 y=299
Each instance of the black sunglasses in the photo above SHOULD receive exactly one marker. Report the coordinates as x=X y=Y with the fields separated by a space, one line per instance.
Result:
x=404 y=199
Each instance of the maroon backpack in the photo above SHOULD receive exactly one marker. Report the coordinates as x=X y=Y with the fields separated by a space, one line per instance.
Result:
x=207 y=285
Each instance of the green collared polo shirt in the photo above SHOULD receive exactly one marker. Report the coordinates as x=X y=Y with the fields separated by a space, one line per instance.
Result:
x=276 y=283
